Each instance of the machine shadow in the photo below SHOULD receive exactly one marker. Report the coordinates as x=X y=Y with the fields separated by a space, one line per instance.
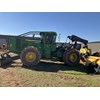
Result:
x=55 y=67
x=50 y=67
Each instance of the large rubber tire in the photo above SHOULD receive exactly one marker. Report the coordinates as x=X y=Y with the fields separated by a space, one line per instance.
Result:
x=30 y=56
x=71 y=57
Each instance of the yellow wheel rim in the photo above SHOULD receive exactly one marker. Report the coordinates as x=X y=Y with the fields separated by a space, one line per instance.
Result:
x=30 y=56
x=73 y=57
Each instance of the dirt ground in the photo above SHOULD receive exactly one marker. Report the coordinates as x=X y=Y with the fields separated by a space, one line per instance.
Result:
x=8 y=77
x=46 y=74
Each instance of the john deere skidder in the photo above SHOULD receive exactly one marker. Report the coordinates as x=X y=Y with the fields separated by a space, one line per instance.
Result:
x=33 y=46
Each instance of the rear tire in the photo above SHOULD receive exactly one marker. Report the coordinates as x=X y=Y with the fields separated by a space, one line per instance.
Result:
x=71 y=57
x=30 y=56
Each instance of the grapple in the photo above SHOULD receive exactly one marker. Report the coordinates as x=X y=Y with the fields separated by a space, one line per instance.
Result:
x=6 y=58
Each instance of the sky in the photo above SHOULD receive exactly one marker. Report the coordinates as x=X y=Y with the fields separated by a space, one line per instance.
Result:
x=83 y=24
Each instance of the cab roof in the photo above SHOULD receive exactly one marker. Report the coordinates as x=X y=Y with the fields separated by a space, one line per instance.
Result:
x=38 y=32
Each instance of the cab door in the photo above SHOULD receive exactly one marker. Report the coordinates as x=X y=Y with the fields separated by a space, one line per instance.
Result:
x=47 y=45
x=47 y=51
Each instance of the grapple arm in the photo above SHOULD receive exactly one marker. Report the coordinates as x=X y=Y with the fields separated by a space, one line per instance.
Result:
x=74 y=38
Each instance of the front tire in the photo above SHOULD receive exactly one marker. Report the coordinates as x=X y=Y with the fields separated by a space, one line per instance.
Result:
x=30 y=56
x=71 y=57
